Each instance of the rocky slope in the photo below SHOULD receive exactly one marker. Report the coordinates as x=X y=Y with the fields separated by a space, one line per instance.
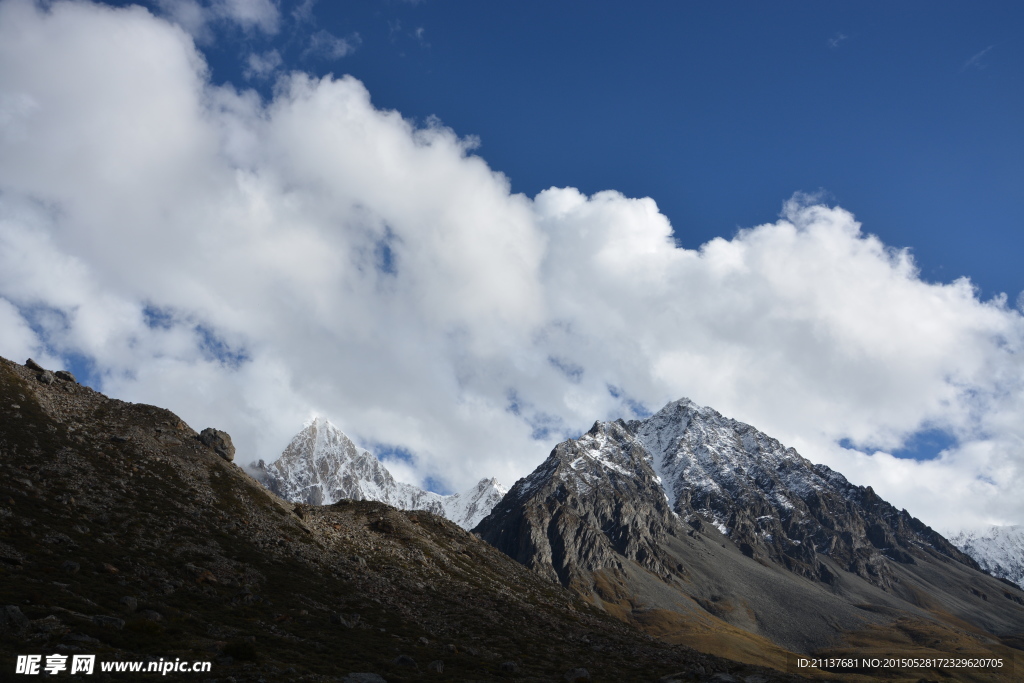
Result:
x=592 y=504
x=322 y=465
x=999 y=550
x=126 y=536
x=776 y=505
x=688 y=523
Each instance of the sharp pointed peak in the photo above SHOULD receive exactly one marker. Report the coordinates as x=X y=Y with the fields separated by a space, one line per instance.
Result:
x=319 y=422
x=686 y=405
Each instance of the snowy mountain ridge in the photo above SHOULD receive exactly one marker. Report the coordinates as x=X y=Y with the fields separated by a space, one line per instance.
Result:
x=635 y=517
x=999 y=550
x=322 y=465
x=715 y=465
x=775 y=504
x=704 y=459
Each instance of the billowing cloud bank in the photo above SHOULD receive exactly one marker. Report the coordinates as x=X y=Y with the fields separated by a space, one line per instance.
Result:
x=250 y=263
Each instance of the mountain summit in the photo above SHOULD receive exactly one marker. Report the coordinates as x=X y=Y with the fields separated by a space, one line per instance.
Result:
x=593 y=504
x=689 y=523
x=776 y=505
x=322 y=465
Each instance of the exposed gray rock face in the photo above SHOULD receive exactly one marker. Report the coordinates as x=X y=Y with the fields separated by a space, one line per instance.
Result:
x=46 y=376
x=219 y=441
x=638 y=517
x=592 y=503
x=322 y=465
x=776 y=505
x=620 y=489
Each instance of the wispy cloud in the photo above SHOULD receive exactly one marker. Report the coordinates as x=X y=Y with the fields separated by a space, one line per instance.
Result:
x=303 y=13
x=250 y=14
x=835 y=40
x=325 y=45
x=262 y=66
x=196 y=17
x=420 y=34
x=977 y=61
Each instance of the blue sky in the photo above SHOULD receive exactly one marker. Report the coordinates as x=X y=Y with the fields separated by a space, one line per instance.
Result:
x=908 y=113
x=464 y=231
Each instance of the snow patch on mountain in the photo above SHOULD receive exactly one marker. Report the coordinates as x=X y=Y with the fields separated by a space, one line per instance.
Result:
x=775 y=505
x=322 y=465
x=999 y=550
x=706 y=460
x=468 y=507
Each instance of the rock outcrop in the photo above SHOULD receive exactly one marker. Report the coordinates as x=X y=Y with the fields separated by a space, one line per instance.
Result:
x=592 y=504
x=219 y=441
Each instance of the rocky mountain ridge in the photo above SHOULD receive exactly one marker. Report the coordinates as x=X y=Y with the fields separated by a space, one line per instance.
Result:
x=775 y=504
x=689 y=523
x=322 y=465
x=599 y=501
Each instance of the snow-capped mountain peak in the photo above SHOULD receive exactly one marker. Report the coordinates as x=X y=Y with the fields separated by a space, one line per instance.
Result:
x=999 y=550
x=774 y=503
x=809 y=549
x=468 y=507
x=322 y=465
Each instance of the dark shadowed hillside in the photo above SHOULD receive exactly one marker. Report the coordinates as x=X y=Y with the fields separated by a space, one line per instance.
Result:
x=125 y=535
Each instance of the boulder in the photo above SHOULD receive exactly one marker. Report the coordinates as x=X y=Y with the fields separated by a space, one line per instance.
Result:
x=219 y=441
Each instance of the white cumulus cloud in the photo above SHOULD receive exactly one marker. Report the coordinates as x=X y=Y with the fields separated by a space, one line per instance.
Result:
x=248 y=264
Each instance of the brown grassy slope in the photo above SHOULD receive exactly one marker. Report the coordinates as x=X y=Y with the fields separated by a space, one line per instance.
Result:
x=104 y=503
